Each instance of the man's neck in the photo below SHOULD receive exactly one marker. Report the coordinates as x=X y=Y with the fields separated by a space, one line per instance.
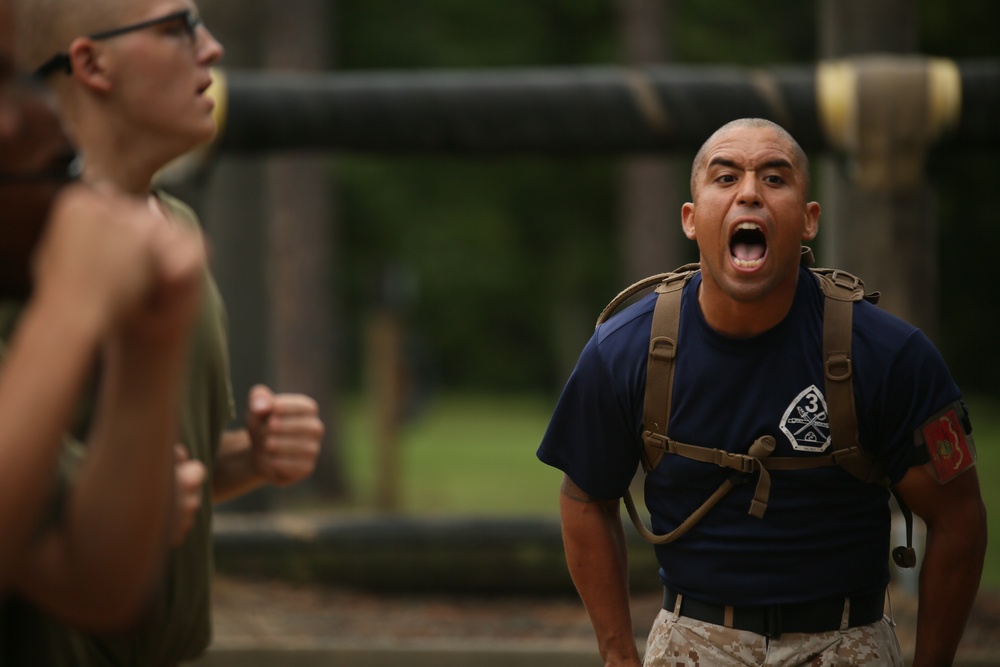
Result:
x=739 y=319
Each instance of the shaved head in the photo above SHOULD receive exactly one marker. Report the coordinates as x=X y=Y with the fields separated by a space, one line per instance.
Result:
x=46 y=27
x=801 y=161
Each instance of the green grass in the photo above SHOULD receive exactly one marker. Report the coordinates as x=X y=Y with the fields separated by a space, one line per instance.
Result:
x=476 y=455
x=986 y=430
x=463 y=455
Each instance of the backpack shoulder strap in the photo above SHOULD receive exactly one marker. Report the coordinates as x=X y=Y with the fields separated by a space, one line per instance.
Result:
x=841 y=290
x=682 y=273
x=660 y=370
x=662 y=350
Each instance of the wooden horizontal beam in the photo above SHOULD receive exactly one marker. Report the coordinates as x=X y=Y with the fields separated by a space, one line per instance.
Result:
x=586 y=110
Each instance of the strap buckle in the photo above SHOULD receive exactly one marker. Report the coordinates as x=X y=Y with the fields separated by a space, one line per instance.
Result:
x=738 y=462
x=839 y=367
x=662 y=349
x=656 y=440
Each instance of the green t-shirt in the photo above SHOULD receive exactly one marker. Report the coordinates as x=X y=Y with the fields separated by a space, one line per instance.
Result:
x=178 y=624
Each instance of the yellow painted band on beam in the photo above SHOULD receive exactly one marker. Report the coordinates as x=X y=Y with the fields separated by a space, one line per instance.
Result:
x=944 y=90
x=837 y=99
x=766 y=84
x=219 y=93
x=837 y=103
x=647 y=102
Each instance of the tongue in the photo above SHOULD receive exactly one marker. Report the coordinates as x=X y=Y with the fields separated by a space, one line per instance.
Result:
x=748 y=252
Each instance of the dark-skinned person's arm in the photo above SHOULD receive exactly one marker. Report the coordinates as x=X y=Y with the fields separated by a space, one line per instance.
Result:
x=953 y=559
x=40 y=380
x=96 y=566
x=85 y=274
x=597 y=557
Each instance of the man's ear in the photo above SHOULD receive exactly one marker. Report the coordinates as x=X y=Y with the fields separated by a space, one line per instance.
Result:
x=812 y=221
x=687 y=220
x=89 y=64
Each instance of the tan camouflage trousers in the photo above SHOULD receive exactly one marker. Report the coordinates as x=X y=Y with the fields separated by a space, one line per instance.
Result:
x=684 y=642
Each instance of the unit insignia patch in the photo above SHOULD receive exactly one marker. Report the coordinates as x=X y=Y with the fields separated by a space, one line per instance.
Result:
x=806 y=422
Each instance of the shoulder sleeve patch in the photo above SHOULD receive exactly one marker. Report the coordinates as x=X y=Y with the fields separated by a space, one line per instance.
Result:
x=948 y=443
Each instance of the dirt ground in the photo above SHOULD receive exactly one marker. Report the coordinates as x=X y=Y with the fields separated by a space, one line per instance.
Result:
x=250 y=612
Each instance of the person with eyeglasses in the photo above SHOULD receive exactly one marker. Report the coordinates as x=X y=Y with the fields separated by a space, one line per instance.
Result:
x=97 y=284
x=131 y=78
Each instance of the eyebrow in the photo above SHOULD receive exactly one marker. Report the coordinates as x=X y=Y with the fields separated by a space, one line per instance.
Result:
x=777 y=163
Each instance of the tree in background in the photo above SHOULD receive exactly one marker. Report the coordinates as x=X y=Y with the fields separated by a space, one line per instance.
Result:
x=510 y=258
x=301 y=228
x=271 y=223
x=652 y=185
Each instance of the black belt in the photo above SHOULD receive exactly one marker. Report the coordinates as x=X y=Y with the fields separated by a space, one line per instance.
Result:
x=773 y=620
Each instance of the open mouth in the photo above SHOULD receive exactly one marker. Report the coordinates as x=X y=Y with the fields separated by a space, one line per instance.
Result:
x=748 y=246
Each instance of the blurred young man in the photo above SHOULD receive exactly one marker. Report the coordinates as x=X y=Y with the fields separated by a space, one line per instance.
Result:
x=107 y=286
x=131 y=77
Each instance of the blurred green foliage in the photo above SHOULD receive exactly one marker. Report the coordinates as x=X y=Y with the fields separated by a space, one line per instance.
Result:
x=500 y=266
x=461 y=457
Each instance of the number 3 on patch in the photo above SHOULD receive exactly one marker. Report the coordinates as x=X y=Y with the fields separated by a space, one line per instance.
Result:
x=952 y=450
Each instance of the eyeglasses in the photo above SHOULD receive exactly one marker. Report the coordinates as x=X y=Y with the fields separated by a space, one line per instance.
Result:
x=187 y=19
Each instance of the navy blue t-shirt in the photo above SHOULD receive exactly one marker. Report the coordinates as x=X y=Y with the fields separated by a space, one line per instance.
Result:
x=825 y=533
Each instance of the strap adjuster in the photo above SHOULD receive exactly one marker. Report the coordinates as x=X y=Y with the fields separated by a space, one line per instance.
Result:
x=662 y=349
x=739 y=462
x=839 y=367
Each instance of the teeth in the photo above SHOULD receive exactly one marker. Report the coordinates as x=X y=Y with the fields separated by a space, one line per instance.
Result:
x=737 y=249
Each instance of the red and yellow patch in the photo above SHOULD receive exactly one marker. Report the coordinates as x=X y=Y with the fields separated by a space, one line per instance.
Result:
x=952 y=452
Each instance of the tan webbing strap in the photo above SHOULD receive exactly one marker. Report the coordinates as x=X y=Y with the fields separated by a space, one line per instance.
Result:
x=660 y=371
x=753 y=461
x=683 y=273
x=742 y=463
x=842 y=290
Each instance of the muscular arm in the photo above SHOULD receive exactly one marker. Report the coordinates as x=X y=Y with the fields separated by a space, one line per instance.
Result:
x=41 y=377
x=953 y=559
x=597 y=557
x=95 y=569
x=82 y=279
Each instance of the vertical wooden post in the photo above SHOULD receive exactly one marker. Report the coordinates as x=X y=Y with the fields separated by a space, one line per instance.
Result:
x=231 y=207
x=883 y=231
x=650 y=193
x=386 y=382
x=300 y=240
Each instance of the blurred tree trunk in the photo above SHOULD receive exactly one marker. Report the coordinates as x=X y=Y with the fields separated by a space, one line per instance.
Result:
x=300 y=239
x=230 y=199
x=651 y=196
x=651 y=202
x=885 y=235
x=270 y=222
